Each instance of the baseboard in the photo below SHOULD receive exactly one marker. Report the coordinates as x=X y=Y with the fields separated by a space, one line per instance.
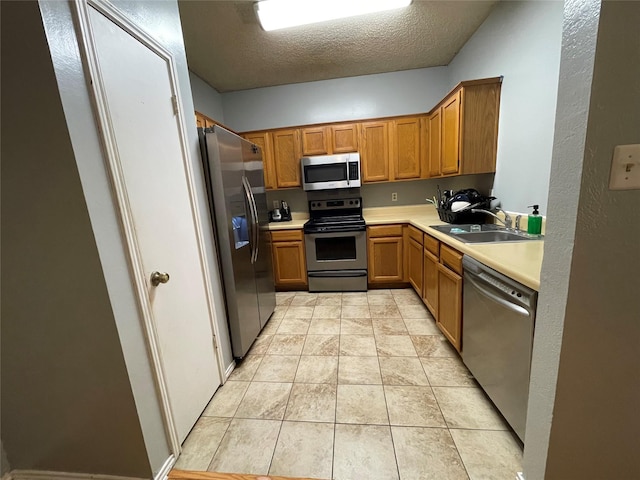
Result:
x=47 y=475
x=230 y=369
x=520 y=476
x=163 y=473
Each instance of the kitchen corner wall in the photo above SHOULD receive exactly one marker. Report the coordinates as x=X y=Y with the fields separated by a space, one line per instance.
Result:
x=205 y=99
x=521 y=41
x=340 y=99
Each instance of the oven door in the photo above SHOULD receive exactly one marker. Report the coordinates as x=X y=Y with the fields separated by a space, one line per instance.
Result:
x=336 y=250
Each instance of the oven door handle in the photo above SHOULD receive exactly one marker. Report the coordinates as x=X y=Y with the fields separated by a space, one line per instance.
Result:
x=350 y=232
x=338 y=273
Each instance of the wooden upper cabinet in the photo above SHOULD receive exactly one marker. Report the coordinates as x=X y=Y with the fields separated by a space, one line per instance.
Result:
x=199 y=120
x=435 y=140
x=480 y=108
x=286 y=155
x=344 y=138
x=450 y=160
x=463 y=129
x=315 y=141
x=263 y=140
x=374 y=151
x=405 y=147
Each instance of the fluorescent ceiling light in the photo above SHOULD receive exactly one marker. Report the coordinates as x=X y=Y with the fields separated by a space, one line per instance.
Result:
x=277 y=14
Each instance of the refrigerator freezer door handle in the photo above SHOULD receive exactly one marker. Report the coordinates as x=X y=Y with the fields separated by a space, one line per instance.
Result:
x=247 y=195
x=254 y=220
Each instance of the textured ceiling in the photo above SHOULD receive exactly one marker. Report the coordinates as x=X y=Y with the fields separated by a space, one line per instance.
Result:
x=228 y=49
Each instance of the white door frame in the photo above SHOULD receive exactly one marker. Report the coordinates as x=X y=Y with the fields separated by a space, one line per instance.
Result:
x=112 y=161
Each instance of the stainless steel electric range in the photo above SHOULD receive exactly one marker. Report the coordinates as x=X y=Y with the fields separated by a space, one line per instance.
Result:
x=336 y=246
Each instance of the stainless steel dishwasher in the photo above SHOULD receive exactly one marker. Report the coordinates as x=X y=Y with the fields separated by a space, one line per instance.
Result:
x=497 y=338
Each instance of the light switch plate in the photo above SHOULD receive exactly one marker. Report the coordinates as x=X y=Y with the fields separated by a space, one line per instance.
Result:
x=625 y=168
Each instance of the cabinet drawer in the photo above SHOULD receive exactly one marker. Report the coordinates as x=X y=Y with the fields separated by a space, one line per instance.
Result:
x=415 y=234
x=286 y=235
x=385 y=231
x=432 y=245
x=451 y=258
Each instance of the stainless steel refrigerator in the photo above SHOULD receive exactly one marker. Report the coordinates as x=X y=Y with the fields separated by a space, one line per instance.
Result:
x=238 y=202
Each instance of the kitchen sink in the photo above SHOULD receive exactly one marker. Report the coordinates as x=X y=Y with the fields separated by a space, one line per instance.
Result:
x=487 y=233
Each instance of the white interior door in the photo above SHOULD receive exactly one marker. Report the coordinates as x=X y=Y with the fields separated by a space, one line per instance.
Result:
x=138 y=89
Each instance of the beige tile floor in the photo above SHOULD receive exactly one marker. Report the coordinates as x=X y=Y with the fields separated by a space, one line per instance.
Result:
x=352 y=386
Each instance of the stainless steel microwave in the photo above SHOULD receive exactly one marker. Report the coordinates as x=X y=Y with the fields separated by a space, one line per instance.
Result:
x=324 y=172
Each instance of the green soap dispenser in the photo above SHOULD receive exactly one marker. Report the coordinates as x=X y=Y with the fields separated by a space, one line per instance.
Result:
x=534 y=221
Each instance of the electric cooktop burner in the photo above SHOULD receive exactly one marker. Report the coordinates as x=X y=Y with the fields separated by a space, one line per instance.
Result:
x=338 y=215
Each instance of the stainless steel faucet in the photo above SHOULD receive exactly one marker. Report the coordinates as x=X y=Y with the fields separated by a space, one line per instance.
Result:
x=507 y=218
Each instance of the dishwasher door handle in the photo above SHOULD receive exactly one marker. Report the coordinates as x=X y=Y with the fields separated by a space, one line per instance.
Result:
x=496 y=298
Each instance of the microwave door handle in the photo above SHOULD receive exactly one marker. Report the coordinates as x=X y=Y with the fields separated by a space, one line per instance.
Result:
x=346 y=161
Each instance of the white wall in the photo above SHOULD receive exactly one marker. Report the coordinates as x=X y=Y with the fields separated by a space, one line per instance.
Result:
x=206 y=99
x=67 y=400
x=586 y=426
x=521 y=41
x=325 y=101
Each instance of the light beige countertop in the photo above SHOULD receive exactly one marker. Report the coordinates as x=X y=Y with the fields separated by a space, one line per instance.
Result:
x=521 y=260
x=298 y=219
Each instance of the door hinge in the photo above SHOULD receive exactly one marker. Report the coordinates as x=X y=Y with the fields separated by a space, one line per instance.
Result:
x=215 y=343
x=174 y=102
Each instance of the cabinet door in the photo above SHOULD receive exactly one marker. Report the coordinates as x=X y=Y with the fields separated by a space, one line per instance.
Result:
x=289 y=265
x=430 y=282
x=451 y=135
x=450 y=305
x=315 y=141
x=286 y=157
x=405 y=147
x=263 y=140
x=374 y=151
x=435 y=139
x=385 y=260
x=344 y=138
x=414 y=265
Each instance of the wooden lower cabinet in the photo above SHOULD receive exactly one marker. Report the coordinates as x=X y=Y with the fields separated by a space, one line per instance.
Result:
x=385 y=254
x=430 y=282
x=450 y=305
x=289 y=261
x=415 y=265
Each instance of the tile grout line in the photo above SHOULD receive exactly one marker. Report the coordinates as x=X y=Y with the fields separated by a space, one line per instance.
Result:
x=284 y=414
x=386 y=404
x=335 y=409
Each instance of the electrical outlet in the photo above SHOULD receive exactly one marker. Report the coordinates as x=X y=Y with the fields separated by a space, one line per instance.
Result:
x=394 y=197
x=276 y=204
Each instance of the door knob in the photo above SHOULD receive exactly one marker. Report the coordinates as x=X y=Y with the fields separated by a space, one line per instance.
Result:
x=157 y=278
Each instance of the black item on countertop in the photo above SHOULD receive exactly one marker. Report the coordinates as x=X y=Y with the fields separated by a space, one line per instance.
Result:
x=284 y=213
x=476 y=201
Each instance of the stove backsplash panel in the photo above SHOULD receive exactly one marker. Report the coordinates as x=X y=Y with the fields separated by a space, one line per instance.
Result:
x=411 y=192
